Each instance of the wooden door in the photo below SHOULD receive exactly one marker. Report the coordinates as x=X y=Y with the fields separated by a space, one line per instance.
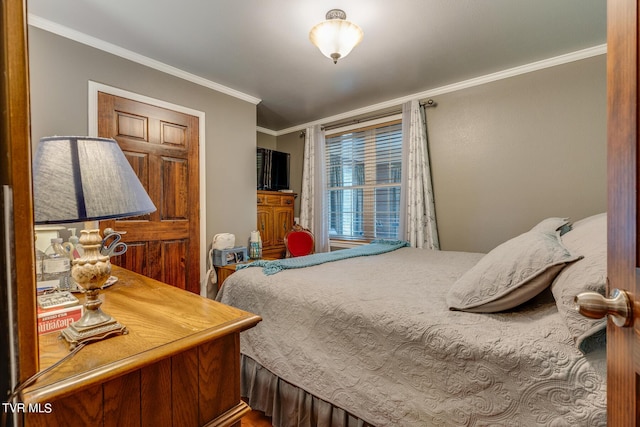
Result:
x=162 y=147
x=623 y=346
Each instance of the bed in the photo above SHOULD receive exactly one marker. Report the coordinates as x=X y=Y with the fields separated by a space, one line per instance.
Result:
x=413 y=337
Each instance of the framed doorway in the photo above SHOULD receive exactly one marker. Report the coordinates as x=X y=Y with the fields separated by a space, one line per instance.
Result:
x=95 y=87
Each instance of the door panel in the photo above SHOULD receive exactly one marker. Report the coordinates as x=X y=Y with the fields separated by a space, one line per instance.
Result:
x=134 y=258
x=173 y=254
x=132 y=126
x=175 y=176
x=162 y=147
x=283 y=223
x=174 y=134
x=623 y=348
x=265 y=225
x=140 y=164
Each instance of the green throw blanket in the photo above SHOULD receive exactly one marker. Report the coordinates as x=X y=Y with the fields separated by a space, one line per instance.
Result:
x=374 y=248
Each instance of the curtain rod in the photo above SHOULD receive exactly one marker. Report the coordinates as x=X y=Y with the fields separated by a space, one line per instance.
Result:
x=426 y=104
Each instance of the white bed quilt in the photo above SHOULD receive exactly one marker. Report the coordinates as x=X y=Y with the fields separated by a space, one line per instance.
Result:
x=373 y=335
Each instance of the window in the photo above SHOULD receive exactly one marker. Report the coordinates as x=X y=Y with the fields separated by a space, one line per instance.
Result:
x=363 y=182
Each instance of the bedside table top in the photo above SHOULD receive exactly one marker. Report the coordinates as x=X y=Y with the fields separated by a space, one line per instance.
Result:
x=162 y=321
x=232 y=267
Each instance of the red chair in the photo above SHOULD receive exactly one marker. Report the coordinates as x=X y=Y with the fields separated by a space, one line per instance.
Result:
x=299 y=242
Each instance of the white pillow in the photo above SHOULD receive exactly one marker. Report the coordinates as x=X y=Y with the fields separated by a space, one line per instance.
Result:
x=588 y=237
x=553 y=224
x=513 y=272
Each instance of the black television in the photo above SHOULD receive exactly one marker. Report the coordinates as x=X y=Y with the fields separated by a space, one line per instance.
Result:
x=273 y=169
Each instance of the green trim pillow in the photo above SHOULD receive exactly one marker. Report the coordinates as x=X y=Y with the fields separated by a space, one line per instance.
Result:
x=553 y=224
x=513 y=272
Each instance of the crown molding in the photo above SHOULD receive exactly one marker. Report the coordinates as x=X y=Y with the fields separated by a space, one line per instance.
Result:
x=267 y=131
x=61 y=30
x=477 y=81
x=52 y=27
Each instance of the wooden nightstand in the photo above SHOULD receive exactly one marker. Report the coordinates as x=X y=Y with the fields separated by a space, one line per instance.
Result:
x=178 y=365
x=224 y=272
x=227 y=270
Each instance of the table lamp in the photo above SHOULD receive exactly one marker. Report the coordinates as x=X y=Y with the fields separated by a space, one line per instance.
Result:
x=87 y=179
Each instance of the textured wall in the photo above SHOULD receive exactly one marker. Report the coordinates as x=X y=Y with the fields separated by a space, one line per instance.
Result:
x=509 y=153
x=60 y=71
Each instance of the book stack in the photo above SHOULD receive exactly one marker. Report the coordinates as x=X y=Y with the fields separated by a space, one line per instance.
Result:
x=57 y=310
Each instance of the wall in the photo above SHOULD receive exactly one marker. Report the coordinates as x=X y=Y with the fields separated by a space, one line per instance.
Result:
x=60 y=71
x=510 y=153
x=292 y=143
x=265 y=140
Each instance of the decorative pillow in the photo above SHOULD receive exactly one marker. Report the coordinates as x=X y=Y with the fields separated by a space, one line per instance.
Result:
x=553 y=224
x=589 y=238
x=512 y=273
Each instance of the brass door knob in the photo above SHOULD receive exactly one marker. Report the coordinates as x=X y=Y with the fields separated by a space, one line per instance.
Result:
x=595 y=306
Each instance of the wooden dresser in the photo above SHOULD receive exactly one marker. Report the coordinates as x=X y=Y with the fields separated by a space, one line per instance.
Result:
x=179 y=365
x=275 y=219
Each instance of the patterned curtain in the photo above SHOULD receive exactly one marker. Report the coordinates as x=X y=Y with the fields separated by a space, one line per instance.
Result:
x=313 y=206
x=417 y=215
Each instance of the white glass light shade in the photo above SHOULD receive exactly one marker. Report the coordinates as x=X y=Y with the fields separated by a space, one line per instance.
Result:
x=335 y=37
x=85 y=179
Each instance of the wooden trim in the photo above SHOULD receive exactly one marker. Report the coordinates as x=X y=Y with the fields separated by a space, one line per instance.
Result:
x=16 y=172
x=231 y=416
x=353 y=128
x=622 y=128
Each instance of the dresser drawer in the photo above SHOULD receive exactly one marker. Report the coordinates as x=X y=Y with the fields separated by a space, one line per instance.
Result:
x=277 y=199
x=273 y=200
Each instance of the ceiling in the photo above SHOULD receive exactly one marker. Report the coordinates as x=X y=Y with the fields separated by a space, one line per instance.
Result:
x=260 y=49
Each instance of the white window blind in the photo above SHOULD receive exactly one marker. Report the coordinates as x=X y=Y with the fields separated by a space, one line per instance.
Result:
x=363 y=182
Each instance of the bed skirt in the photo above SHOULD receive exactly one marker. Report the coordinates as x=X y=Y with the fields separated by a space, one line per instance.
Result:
x=286 y=404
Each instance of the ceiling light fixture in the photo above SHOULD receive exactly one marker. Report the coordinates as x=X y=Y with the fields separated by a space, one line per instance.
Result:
x=336 y=36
